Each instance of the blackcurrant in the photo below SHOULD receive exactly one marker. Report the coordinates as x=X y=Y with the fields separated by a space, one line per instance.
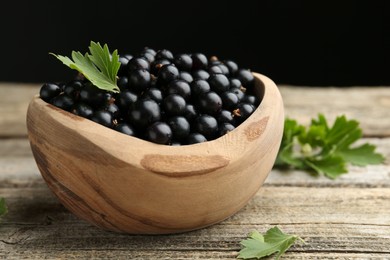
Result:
x=102 y=117
x=219 y=83
x=164 y=54
x=168 y=73
x=206 y=125
x=83 y=110
x=144 y=112
x=159 y=132
x=200 y=74
x=49 y=91
x=224 y=128
x=180 y=127
x=139 y=80
x=199 y=87
x=183 y=62
x=138 y=64
x=153 y=93
x=186 y=76
x=229 y=100
x=232 y=66
x=63 y=101
x=210 y=103
x=179 y=87
x=174 y=105
x=246 y=77
x=125 y=129
x=195 y=138
x=199 y=61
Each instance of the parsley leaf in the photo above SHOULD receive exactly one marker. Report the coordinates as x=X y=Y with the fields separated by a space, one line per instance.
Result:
x=99 y=66
x=3 y=207
x=323 y=149
x=258 y=246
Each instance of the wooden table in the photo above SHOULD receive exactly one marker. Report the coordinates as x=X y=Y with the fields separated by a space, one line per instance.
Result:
x=347 y=218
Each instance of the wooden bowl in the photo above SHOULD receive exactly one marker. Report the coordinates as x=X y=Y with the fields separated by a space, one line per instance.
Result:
x=126 y=184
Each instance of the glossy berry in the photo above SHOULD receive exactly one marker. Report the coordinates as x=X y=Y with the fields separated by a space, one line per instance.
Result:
x=123 y=83
x=112 y=109
x=164 y=54
x=229 y=100
x=179 y=87
x=126 y=99
x=232 y=66
x=63 y=101
x=195 y=138
x=49 y=91
x=125 y=129
x=180 y=127
x=174 y=105
x=199 y=87
x=102 y=117
x=186 y=76
x=199 y=61
x=200 y=74
x=138 y=64
x=72 y=88
x=210 y=103
x=139 y=80
x=159 y=133
x=183 y=62
x=225 y=116
x=190 y=112
x=144 y=112
x=235 y=83
x=82 y=110
x=219 y=83
x=156 y=65
x=149 y=50
x=246 y=77
x=155 y=94
x=167 y=73
x=224 y=128
x=215 y=69
x=206 y=125
x=240 y=94
x=224 y=69
x=123 y=61
x=251 y=99
x=92 y=95
x=243 y=112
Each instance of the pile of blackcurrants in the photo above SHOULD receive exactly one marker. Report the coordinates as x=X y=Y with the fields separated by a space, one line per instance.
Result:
x=164 y=98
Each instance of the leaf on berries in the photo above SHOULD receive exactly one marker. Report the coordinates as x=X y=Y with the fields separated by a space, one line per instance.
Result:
x=99 y=66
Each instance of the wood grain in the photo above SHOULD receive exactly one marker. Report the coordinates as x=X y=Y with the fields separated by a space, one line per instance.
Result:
x=342 y=222
x=343 y=219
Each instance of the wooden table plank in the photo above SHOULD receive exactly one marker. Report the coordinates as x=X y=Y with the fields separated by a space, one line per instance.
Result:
x=331 y=220
x=347 y=218
x=368 y=105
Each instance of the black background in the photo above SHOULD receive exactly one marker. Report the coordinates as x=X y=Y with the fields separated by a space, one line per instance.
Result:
x=296 y=42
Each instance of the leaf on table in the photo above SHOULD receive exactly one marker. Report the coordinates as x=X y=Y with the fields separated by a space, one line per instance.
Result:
x=274 y=241
x=325 y=150
x=99 y=66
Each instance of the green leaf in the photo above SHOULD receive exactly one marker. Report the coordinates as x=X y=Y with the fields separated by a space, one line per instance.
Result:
x=323 y=149
x=274 y=241
x=362 y=155
x=99 y=66
x=3 y=207
x=331 y=167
